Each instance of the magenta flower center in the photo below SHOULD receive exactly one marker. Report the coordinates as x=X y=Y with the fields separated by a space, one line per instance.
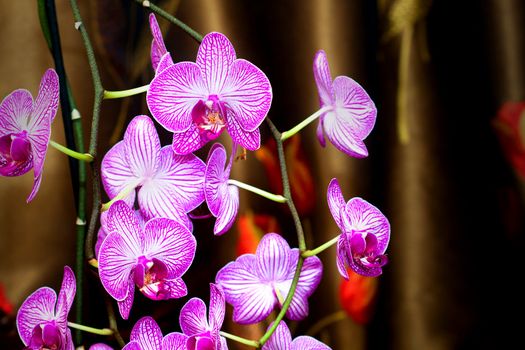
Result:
x=45 y=336
x=15 y=154
x=364 y=249
x=201 y=341
x=209 y=117
x=150 y=277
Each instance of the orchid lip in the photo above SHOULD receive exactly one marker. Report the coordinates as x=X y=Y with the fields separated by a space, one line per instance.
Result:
x=16 y=157
x=209 y=117
x=45 y=336
x=150 y=277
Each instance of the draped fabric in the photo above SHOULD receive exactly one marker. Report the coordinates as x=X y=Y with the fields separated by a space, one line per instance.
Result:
x=438 y=73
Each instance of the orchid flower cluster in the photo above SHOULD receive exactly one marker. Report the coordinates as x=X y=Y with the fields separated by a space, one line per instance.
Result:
x=146 y=242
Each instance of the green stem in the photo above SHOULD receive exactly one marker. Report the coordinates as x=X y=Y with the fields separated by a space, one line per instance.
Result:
x=273 y=197
x=298 y=227
x=93 y=139
x=103 y=331
x=325 y=322
x=154 y=8
x=85 y=157
x=125 y=93
x=321 y=248
x=241 y=340
x=122 y=194
x=287 y=134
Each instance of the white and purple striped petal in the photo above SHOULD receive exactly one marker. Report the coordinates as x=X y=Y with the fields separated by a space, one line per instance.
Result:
x=15 y=111
x=142 y=147
x=38 y=308
x=193 y=319
x=351 y=115
x=216 y=55
x=281 y=338
x=158 y=48
x=66 y=295
x=251 y=140
x=174 y=341
x=248 y=94
x=117 y=175
x=336 y=201
x=146 y=332
x=100 y=346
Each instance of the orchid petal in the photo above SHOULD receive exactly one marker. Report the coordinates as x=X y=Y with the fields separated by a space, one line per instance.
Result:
x=100 y=346
x=320 y=132
x=122 y=219
x=323 y=79
x=308 y=343
x=66 y=295
x=117 y=175
x=165 y=62
x=192 y=318
x=248 y=94
x=156 y=201
x=170 y=242
x=252 y=300
x=37 y=308
x=336 y=201
x=177 y=288
x=174 y=341
x=309 y=279
x=142 y=146
x=124 y=306
x=273 y=257
x=251 y=140
x=354 y=106
x=223 y=345
x=342 y=135
x=116 y=262
x=133 y=345
x=69 y=345
x=37 y=180
x=215 y=177
x=158 y=48
x=363 y=216
x=228 y=210
x=186 y=142
x=46 y=103
x=280 y=339
x=173 y=93
x=147 y=333
x=184 y=175
x=217 y=307
x=342 y=257
x=15 y=110
x=216 y=55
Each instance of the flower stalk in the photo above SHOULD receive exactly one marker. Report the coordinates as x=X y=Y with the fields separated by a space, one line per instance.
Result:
x=273 y=197
x=103 y=331
x=287 y=134
x=108 y=95
x=85 y=157
x=241 y=340
x=321 y=248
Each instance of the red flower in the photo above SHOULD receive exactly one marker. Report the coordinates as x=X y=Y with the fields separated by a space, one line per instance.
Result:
x=301 y=180
x=357 y=296
x=510 y=127
x=5 y=305
x=251 y=228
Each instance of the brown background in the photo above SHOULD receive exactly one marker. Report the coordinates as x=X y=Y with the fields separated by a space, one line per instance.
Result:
x=440 y=70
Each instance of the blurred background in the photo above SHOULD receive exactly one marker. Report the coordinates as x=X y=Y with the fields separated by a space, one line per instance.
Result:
x=446 y=163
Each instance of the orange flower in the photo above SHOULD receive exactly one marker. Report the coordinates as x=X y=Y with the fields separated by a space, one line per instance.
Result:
x=357 y=296
x=510 y=127
x=301 y=180
x=251 y=228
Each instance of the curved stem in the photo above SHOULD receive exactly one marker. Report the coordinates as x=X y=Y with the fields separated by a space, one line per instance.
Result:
x=113 y=321
x=241 y=340
x=85 y=157
x=273 y=197
x=103 y=331
x=154 y=8
x=287 y=134
x=298 y=227
x=321 y=248
x=125 y=93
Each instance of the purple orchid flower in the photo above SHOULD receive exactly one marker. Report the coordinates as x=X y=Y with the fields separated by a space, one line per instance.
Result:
x=203 y=332
x=255 y=283
x=167 y=185
x=365 y=233
x=100 y=346
x=198 y=100
x=281 y=339
x=351 y=113
x=42 y=318
x=25 y=129
x=160 y=57
x=222 y=198
x=146 y=335
x=154 y=257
